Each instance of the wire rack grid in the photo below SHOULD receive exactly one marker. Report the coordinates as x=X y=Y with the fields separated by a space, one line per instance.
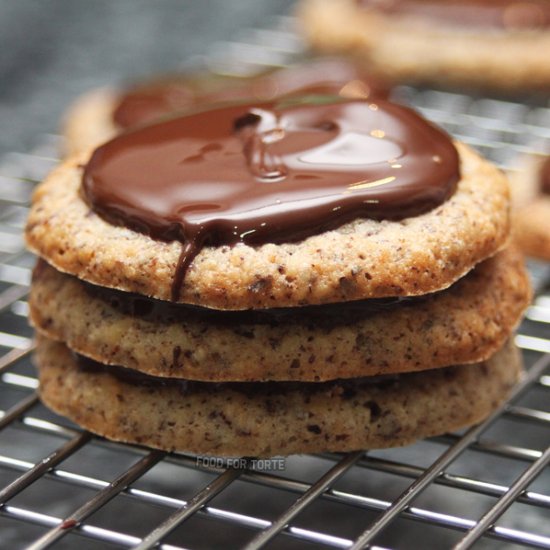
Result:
x=488 y=486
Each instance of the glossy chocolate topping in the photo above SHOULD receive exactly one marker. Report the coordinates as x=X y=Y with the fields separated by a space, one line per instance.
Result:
x=327 y=315
x=545 y=176
x=499 y=14
x=156 y=99
x=346 y=388
x=270 y=172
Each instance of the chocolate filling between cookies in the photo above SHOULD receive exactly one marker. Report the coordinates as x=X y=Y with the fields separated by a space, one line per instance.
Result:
x=346 y=388
x=271 y=172
x=160 y=311
x=329 y=315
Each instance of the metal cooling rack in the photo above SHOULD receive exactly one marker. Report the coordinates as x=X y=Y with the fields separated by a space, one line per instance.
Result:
x=489 y=486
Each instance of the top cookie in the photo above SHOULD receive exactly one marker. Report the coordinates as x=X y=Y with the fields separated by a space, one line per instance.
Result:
x=361 y=259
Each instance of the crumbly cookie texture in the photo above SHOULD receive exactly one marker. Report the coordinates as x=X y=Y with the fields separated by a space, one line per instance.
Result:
x=222 y=420
x=89 y=121
x=466 y=323
x=411 y=50
x=361 y=259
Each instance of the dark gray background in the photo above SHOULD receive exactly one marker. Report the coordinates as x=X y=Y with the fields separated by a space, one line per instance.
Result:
x=53 y=50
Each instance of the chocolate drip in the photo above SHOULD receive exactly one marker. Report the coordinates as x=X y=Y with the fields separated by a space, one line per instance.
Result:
x=187 y=254
x=545 y=176
x=498 y=14
x=347 y=388
x=156 y=99
x=327 y=315
x=270 y=172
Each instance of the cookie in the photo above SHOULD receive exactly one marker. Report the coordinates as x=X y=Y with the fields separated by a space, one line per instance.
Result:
x=532 y=228
x=531 y=200
x=361 y=259
x=100 y=114
x=89 y=121
x=466 y=323
x=272 y=418
x=499 y=45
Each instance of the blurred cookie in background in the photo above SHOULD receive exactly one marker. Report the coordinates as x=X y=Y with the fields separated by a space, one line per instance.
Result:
x=501 y=45
x=531 y=197
x=101 y=114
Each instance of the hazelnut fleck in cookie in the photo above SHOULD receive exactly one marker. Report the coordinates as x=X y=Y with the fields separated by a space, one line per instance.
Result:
x=101 y=114
x=498 y=44
x=264 y=419
x=466 y=323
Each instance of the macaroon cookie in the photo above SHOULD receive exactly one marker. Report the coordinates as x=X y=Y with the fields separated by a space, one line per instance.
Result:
x=265 y=419
x=465 y=323
x=500 y=45
x=373 y=202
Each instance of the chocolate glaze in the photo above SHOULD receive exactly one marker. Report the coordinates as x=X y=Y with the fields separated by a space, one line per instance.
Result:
x=327 y=315
x=545 y=176
x=156 y=99
x=270 y=172
x=497 y=14
x=346 y=388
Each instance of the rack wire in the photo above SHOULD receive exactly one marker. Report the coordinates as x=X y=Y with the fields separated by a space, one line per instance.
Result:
x=489 y=485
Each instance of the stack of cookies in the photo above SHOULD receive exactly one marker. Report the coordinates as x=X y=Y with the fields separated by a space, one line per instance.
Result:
x=266 y=277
